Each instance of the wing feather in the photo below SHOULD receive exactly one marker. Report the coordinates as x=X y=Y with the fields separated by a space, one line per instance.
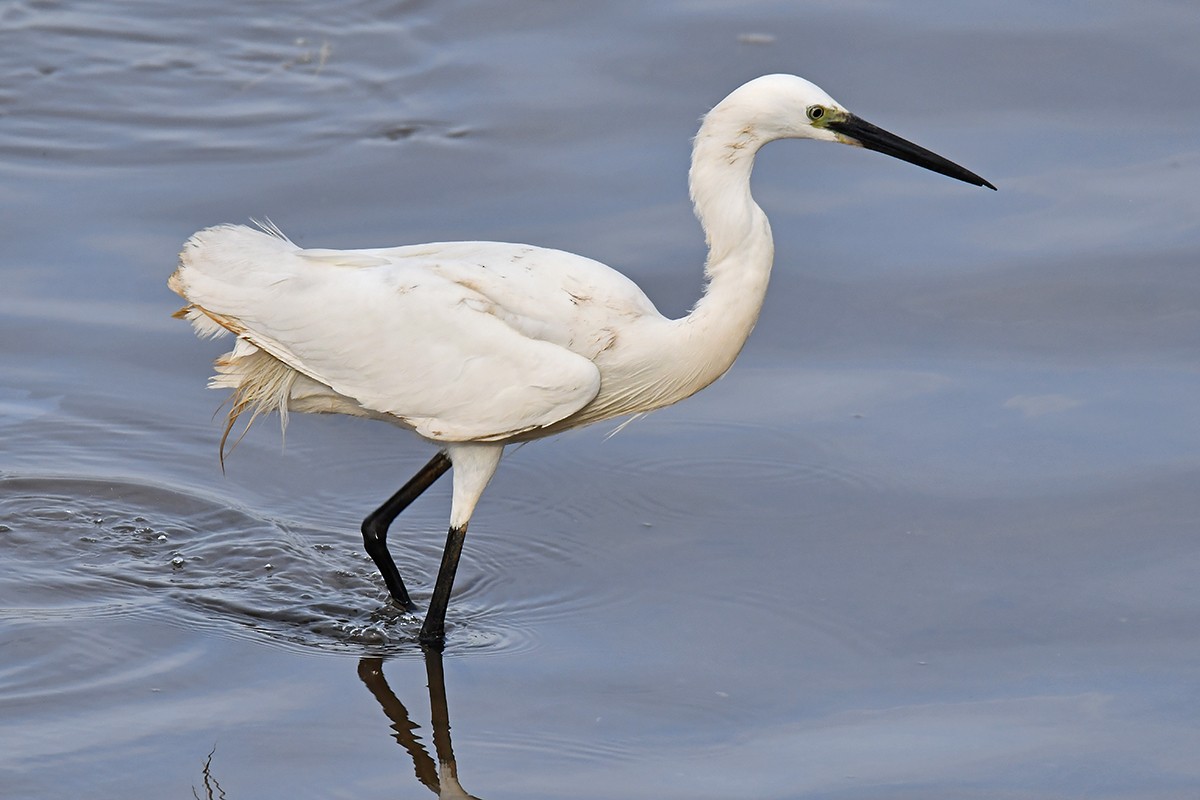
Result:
x=392 y=334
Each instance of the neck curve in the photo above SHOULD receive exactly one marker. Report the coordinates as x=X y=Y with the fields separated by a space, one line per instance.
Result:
x=741 y=249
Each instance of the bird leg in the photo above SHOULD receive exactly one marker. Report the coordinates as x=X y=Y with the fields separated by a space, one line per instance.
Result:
x=433 y=632
x=375 y=527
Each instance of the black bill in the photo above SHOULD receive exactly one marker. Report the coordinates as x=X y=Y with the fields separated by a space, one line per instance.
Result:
x=872 y=137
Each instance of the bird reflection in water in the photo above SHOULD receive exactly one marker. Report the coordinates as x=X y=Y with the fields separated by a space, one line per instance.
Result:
x=441 y=777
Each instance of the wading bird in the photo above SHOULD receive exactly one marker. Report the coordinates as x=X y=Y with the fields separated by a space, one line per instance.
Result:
x=477 y=345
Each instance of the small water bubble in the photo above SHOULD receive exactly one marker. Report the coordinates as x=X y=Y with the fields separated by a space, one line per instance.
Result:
x=756 y=38
x=162 y=537
x=268 y=565
x=177 y=562
x=97 y=520
x=363 y=635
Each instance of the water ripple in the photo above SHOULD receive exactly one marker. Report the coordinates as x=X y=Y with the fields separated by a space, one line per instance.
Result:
x=692 y=469
x=78 y=547
x=100 y=84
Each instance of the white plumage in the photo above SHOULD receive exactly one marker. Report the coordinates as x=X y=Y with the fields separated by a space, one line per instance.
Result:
x=474 y=345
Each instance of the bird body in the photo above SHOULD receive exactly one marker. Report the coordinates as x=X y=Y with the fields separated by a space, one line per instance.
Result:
x=474 y=345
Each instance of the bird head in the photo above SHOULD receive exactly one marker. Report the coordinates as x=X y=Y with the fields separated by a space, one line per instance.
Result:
x=789 y=107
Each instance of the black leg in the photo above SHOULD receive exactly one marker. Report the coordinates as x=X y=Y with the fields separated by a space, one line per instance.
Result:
x=433 y=632
x=375 y=526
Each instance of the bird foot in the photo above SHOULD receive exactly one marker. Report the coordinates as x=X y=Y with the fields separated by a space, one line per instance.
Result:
x=404 y=604
x=432 y=639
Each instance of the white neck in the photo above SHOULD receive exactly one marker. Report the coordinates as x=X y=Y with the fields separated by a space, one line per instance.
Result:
x=740 y=253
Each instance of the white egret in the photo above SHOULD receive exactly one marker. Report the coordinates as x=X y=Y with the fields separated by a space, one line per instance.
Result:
x=477 y=345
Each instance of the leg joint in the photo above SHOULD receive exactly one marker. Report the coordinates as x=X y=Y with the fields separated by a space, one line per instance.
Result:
x=374 y=534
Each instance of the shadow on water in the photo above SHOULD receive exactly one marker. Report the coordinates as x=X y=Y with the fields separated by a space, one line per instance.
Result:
x=437 y=772
x=440 y=776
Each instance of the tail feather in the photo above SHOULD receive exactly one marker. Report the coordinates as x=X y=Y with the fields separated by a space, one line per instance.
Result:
x=213 y=264
x=205 y=326
x=260 y=383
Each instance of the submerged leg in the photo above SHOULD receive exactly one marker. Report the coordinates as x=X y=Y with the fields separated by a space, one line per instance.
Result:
x=433 y=632
x=375 y=526
x=474 y=465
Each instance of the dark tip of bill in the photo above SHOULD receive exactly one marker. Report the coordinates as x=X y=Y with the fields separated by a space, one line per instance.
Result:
x=948 y=168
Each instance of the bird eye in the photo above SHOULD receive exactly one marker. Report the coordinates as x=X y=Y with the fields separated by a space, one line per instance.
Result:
x=815 y=112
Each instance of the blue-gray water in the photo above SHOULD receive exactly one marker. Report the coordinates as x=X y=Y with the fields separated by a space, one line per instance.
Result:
x=935 y=535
